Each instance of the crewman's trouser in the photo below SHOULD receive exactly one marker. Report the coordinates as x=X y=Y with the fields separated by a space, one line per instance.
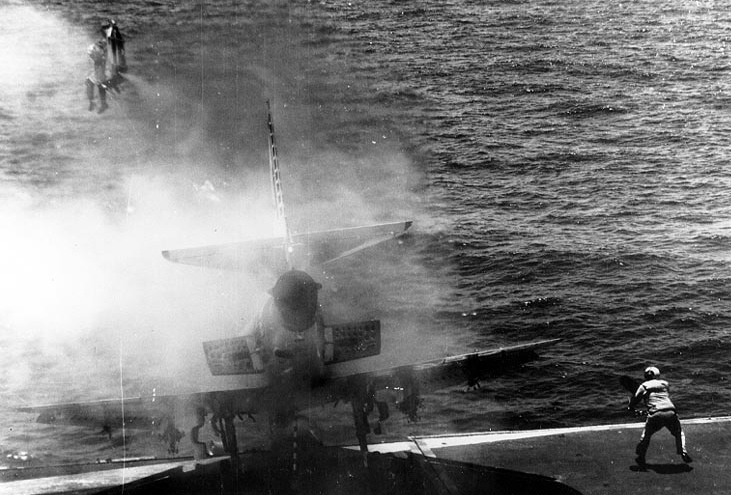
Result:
x=656 y=422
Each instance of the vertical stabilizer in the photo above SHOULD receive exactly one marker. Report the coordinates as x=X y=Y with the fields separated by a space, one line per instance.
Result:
x=300 y=248
x=278 y=195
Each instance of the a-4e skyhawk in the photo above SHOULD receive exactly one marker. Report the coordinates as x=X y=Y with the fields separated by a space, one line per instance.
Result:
x=286 y=359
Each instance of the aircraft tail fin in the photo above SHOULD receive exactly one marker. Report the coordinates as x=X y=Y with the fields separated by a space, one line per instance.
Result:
x=276 y=178
x=288 y=249
x=338 y=243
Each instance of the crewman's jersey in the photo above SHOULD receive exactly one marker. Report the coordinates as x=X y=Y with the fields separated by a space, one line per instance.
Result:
x=656 y=395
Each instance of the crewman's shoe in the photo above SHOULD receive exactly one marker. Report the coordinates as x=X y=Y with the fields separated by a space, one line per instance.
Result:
x=686 y=457
x=103 y=107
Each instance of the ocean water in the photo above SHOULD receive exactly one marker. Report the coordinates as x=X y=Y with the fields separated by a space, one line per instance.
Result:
x=564 y=162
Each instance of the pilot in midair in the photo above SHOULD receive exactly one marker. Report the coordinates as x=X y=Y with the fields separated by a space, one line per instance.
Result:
x=98 y=75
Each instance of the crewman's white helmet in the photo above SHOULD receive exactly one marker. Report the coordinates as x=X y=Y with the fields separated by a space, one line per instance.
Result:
x=651 y=372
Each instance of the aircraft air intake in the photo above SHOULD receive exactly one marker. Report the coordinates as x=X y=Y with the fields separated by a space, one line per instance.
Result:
x=295 y=297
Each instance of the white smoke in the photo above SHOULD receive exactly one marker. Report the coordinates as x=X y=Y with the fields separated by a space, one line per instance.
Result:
x=91 y=201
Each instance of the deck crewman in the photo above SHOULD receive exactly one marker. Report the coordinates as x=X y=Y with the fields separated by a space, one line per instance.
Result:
x=661 y=413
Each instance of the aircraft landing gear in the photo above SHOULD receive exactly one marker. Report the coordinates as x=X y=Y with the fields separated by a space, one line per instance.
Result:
x=227 y=430
x=360 y=418
x=359 y=404
x=200 y=449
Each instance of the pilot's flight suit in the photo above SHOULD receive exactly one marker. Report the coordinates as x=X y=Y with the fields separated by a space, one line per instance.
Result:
x=98 y=75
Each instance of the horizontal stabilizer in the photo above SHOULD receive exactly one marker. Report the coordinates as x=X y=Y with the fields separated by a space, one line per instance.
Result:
x=331 y=245
x=348 y=341
x=311 y=248
x=250 y=256
x=234 y=356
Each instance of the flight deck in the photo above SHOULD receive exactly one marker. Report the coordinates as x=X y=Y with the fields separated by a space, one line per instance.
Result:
x=598 y=460
x=594 y=460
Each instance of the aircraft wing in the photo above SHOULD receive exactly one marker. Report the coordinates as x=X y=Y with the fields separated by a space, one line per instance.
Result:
x=465 y=369
x=410 y=381
x=237 y=380
x=242 y=393
x=248 y=391
x=133 y=411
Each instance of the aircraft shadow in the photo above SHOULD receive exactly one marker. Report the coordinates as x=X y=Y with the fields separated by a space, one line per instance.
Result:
x=663 y=468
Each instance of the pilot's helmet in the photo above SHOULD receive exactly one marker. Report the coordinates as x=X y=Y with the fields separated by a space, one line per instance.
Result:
x=106 y=27
x=651 y=372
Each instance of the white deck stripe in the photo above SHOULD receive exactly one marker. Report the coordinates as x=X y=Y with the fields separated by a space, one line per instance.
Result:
x=96 y=480
x=455 y=440
x=423 y=447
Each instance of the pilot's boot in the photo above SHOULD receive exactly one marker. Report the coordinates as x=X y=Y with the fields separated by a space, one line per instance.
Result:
x=90 y=94
x=103 y=98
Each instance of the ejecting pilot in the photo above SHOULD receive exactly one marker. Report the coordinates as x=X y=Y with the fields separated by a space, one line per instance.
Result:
x=108 y=57
x=98 y=75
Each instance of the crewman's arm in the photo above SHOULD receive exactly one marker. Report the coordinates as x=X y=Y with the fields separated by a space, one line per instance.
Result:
x=639 y=395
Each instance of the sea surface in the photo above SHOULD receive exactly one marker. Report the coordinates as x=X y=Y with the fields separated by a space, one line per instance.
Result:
x=565 y=163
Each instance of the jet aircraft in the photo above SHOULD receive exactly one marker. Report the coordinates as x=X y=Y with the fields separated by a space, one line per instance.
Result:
x=286 y=359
